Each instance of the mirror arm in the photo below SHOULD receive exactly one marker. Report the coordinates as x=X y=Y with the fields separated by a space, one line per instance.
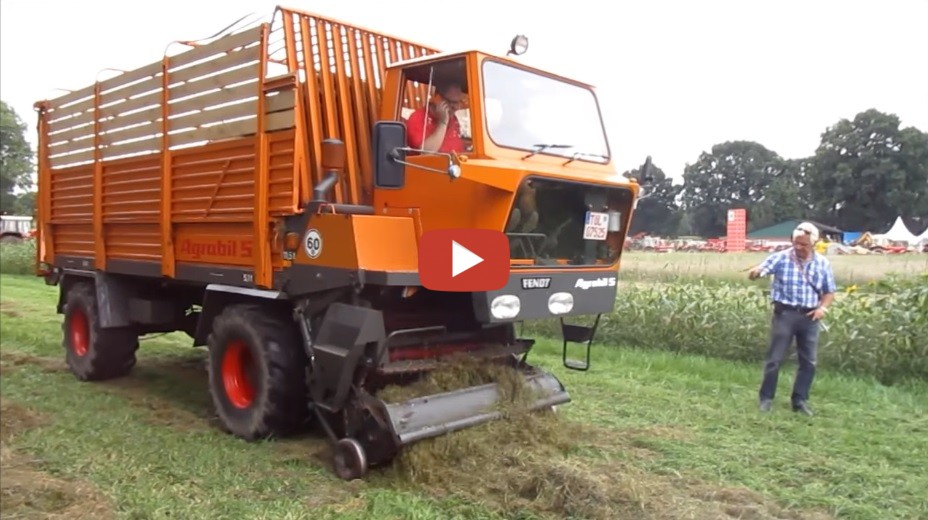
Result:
x=454 y=171
x=321 y=190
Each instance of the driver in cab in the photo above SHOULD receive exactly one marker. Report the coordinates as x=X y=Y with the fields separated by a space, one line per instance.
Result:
x=440 y=128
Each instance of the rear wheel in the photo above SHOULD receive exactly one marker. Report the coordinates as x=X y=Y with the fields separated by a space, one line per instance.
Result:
x=257 y=373
x=94 y=353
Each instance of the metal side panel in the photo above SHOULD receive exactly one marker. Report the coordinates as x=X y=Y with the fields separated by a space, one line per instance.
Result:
x=438 y=414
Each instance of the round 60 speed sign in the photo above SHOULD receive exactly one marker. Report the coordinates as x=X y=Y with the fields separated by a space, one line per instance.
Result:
x=313 y=243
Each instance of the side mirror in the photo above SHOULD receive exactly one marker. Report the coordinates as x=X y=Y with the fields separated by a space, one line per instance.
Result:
x=389 y=141
x=333 y=155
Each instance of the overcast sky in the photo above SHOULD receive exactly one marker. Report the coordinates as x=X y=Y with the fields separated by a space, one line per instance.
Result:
x=673 y=77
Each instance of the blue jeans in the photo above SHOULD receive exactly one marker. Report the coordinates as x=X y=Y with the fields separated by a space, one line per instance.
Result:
x=786 y=325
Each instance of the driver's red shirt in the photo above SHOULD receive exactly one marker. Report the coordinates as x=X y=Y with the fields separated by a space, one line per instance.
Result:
x=452 y=142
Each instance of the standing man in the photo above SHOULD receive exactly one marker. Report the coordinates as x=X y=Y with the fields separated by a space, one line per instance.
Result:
x=803 y=288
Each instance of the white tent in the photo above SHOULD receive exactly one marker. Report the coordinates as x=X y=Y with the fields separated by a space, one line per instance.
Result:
x=899 y=233
x=923 y=238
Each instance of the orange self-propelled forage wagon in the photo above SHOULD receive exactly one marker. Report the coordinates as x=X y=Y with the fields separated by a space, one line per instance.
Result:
x=257 y=192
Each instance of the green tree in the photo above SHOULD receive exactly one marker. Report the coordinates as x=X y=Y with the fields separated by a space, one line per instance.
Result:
x=867 y=171
x=784 y=198
x=16 y=166
x=737 y=174
x=24 y=204
x=657 y=213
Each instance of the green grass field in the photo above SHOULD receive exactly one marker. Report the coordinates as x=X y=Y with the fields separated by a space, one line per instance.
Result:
x=648 y=435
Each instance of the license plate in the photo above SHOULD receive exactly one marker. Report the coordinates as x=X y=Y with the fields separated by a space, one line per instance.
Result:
x=596 y=226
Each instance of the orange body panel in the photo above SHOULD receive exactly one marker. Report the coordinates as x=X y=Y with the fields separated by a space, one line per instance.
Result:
x=386 y=243
x=453 y=211
x=375 y=243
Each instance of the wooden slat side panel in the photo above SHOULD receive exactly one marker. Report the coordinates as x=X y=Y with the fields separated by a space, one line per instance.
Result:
x=280 y=101
x=220 y=63
x=70 y=147
x=115 y=98
x=235 y=116
x=78 y=133
x=129 y=79
x=147 y=145
x=117 y=125
x=280 y=120
x=133 y=241
x=72 y=194
x=233 y=77
x=71 y=160
x=61 y=106
x=214 y=181
x=213 y=98
x=73 y=119
x=73 y=239
x=231 y=130
x=222 y=45
x=282 y=168
x=130 y=105
x=214 y=115
x=131 y=190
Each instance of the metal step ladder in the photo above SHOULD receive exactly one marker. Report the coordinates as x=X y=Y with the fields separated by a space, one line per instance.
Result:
x=573 y=333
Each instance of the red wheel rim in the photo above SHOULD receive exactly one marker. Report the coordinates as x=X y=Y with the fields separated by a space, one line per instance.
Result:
x=80 y=333
x=236 y=376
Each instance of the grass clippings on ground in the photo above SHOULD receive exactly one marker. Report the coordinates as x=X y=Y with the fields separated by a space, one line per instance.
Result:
x=29 y=492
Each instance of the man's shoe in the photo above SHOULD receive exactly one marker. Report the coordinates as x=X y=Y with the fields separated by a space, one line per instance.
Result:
x=766 y=405
x=802 y=408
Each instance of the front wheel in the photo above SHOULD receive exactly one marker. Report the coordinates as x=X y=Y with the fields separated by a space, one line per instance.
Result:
x=257 y=373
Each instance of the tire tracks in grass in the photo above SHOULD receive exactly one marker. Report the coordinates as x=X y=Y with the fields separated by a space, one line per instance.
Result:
x=28 y=491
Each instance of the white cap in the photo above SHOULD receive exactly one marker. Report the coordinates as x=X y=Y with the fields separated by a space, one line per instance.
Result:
x=806 y=228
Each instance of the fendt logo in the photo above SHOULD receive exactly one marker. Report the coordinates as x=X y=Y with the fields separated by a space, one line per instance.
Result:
x=599 y=282
x=536 y=283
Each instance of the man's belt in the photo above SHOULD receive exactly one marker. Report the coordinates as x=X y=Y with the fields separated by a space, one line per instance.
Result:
x=780 y=307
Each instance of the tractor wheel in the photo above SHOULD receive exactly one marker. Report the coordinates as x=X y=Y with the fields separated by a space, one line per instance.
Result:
x=257 y=373
x=93 y=353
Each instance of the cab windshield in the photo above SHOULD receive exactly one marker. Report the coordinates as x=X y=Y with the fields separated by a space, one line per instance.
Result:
x=537 y=113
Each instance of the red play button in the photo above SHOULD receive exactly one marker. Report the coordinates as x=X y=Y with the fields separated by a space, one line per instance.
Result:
x=464 y=260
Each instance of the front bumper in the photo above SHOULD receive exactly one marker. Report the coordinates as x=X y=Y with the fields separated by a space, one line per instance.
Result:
x=592 y=292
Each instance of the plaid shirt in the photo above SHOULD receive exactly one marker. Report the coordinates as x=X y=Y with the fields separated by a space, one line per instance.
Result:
x=792 y=287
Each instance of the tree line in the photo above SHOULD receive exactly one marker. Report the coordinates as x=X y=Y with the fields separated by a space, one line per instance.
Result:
x=17 y=165
x=864 y=173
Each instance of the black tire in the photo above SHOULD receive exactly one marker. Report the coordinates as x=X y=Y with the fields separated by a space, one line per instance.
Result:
x=93 y=353
x=257 y=373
